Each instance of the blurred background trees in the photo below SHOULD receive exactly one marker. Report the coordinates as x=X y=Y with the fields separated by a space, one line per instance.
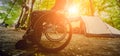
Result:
x=9 y=10
x=107 y=10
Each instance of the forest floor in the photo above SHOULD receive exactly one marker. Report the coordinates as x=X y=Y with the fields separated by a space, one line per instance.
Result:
x=79 y=45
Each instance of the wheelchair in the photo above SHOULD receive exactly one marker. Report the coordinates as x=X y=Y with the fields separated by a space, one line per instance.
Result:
x=48 y=31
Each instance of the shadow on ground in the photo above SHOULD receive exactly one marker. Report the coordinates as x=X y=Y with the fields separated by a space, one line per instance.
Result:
x=80 y=45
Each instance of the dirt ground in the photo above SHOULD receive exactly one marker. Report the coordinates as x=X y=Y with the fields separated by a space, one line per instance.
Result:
x=79 y=45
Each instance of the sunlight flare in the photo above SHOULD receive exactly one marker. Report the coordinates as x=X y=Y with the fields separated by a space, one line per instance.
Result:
x=72 y=11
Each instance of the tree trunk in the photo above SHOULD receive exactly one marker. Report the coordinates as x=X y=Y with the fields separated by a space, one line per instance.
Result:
x=91 y=7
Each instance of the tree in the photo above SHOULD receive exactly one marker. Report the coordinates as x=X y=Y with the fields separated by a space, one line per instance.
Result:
x=109 y=11
x=9 y=11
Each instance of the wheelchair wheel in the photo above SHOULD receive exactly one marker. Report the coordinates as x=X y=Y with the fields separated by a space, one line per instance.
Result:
x=56 y=32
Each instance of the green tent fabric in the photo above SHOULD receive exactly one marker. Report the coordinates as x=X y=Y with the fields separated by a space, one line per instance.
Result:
x=94 y=26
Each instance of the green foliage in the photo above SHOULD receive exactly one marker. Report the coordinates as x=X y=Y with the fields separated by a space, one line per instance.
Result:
x=9 y=11
x=109 y=11
x=44 y=4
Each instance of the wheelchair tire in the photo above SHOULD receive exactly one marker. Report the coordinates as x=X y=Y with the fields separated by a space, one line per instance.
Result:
x=38 y=27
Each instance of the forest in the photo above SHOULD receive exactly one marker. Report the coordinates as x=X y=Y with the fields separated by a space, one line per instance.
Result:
x=107 y=10
x=48 y=27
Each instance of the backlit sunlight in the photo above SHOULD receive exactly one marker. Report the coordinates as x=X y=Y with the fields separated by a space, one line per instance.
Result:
x=72 y=11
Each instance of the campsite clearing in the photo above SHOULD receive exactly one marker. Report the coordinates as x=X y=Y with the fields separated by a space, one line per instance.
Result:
x=80 y=45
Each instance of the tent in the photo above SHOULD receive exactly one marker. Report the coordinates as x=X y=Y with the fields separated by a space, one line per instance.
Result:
x=94 y=26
